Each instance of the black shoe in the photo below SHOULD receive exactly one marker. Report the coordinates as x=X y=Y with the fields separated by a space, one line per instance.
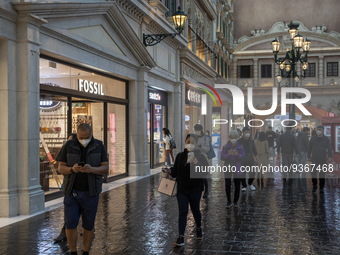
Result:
x=179 y=242
x=199 y=234
x=315 y=188
x=73 y=253
x=61 y=237
x=85 y=253
x=205 y=195
x=229 y=205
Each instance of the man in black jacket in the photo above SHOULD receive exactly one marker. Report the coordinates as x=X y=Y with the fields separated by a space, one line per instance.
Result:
x=249 y=159
x=83 y=162
x=319 y=148
x=302 y=143
x=286 y=146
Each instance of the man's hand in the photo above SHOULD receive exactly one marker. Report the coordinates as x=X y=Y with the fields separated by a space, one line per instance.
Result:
x=76 y=168
x=86 y=169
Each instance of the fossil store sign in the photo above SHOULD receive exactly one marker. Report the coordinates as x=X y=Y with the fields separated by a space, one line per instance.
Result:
x=90 y=87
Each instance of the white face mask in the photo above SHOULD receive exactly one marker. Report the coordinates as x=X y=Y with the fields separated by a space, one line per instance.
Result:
x=84 y=142
x=233 y=140
x=247 y=135
x=190 y=147
x=318 y=132
x=198 y=133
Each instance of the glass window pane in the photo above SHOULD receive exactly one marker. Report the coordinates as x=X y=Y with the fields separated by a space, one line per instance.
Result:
x=159 y=119
x=53 y=135
x=116 y=138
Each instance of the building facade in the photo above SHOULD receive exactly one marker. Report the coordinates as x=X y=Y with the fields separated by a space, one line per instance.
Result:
x=71 y=62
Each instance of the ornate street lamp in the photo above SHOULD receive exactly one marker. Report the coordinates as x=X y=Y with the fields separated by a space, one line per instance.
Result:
x=179 y=18
x=297 y=54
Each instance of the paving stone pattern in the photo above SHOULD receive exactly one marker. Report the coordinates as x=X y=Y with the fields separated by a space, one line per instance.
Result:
x=277 y=218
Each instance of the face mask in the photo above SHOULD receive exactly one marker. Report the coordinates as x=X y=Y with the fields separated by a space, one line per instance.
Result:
x=318 y=132
x=197 y=132
x=190 y=147
x=247 y=135
x=85 y=142
x=233 y=140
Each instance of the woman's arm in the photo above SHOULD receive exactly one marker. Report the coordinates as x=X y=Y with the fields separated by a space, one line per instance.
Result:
x=224 y=153
x=240 y=152
x=175 y=168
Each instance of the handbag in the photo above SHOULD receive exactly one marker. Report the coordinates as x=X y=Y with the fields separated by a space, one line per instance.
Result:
x=211 y=153
x=172 y=143
x=167 y=187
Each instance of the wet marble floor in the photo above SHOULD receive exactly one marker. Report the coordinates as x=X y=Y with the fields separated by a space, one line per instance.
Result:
x=277 y=218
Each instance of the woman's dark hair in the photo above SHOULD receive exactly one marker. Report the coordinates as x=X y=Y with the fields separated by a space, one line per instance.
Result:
x=262 y=136
x=166 y=131
x=191 y=136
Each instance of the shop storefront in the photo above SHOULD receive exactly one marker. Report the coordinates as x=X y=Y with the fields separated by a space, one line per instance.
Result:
x=157 y=120
x=70 y=96
x=193 y=114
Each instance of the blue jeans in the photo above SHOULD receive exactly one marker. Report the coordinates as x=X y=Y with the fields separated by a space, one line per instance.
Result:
x=80 y=204
x=184 y=199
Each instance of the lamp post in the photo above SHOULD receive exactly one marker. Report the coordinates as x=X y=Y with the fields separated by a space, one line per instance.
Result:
x=179 y=18
x=295 y=55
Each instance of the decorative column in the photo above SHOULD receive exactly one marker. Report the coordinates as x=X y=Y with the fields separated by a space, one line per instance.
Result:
x=321 y=71
x=176 y=111
x=31 y=196
x=208 y=117
x=276 y=73
x=138 y=110
x=225 y=127
x=234 y=73
x=256 y=73
x=9 y=200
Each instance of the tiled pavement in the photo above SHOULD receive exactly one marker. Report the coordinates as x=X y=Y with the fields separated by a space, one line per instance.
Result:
x=136 y=219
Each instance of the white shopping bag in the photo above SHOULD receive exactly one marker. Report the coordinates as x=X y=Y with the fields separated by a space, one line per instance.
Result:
x=167 y=187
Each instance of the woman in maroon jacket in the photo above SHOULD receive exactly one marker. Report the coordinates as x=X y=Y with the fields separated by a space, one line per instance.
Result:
x=232 y=154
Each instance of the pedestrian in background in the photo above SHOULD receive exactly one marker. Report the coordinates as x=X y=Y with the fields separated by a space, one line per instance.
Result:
x=232 y=154
x=249 y=158
x=262 y=149
x=203 y=143
x=271 y=138
x=287 y=147
x=167 y=145
x=302 y=143
x=319 y=149
x=189 y=191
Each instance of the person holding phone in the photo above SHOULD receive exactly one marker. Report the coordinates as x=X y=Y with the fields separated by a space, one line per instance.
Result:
x=189 y=190
x=83 y=162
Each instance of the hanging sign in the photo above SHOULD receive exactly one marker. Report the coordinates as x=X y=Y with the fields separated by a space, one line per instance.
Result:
x=157 y=97
x=192 y=96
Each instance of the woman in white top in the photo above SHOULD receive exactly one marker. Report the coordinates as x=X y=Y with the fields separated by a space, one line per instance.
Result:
x=168 y=150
